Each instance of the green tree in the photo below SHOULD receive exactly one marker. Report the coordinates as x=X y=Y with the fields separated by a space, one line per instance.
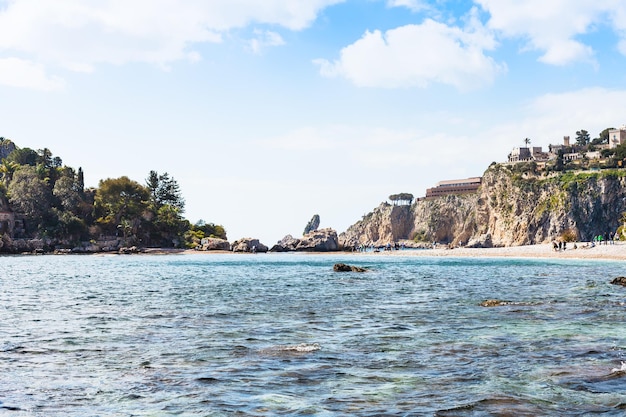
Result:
x=401 y=199
x=7 y=169
x=169 y=227
x=164 y=190
x=30 y=196
x=69 y=194
x=209 y=229
x=603 y=138
x=120 y=204
x=582 y=138
x=23 y=156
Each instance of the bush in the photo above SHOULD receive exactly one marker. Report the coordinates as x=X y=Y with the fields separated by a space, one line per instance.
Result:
x=569 y=235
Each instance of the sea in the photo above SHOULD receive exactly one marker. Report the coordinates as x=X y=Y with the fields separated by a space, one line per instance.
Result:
x=285 y=335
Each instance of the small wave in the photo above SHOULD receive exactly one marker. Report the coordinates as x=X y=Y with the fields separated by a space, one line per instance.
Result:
x=300 y=348
x=621 y=370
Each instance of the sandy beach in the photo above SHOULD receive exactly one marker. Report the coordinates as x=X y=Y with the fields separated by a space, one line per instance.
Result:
x=583 y=250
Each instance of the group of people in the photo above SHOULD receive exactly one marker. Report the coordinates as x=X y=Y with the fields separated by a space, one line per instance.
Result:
x=606 y=239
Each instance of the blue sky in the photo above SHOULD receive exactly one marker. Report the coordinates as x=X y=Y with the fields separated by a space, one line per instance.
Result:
x=270 y=111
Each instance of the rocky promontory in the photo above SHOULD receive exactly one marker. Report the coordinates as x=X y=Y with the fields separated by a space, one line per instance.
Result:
x=323 y=240
x=510 y=208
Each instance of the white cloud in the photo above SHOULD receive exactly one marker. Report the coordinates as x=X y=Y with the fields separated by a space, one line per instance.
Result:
x=414 y=5
x=78 y=35
x=552 y=27
x=418 y=55
x=16 y=72
x=265 y=39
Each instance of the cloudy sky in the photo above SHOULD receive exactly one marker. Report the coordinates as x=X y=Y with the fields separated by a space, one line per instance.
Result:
x=270 y=111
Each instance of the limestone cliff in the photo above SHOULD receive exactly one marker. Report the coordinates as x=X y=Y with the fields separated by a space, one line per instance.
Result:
x=510 y=208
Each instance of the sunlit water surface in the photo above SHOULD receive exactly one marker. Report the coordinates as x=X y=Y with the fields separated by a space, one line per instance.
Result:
x=252 y=335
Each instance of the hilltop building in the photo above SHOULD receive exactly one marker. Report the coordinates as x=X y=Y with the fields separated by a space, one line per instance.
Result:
x=466 y=186
x=617 y=137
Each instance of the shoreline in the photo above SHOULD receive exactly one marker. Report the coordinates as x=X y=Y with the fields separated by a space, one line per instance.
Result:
x=616 y=251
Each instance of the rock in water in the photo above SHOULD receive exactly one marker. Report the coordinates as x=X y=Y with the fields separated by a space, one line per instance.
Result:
x=347 y=268
x=619 y=281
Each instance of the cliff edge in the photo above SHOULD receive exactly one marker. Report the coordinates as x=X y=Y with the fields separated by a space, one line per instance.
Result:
x=510 y=208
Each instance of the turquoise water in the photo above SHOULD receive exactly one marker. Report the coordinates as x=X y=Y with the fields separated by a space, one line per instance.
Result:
x=282 y=334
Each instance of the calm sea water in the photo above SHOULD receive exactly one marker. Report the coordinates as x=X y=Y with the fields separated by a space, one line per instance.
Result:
x=257 y=335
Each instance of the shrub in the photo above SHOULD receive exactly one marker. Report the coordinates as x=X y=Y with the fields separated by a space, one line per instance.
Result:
x=569 y=235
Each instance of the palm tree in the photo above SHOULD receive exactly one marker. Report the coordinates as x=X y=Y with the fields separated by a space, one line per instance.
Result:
x=527 y=142
x=7 y=169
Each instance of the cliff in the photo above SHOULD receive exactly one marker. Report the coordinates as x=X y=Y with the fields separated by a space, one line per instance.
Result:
x=511 y=208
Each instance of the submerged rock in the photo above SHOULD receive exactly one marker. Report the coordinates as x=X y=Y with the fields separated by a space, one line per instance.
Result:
x=347 y=268
x=494 y=303
x=619 y=281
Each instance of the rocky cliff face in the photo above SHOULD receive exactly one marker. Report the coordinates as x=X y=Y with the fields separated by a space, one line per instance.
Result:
x=510 y=208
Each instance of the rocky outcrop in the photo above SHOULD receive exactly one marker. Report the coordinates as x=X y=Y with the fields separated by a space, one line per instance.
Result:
x=347 y=268
x=213 y=243
x=619 y=281
x=286 y=244
x=323 y=240
x=510 y=208
x=248 y=245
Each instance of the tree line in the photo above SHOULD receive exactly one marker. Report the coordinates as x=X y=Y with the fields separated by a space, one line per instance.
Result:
x=52 y=202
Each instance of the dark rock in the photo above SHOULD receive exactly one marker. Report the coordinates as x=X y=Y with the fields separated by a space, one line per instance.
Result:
x=494 y=303
x=347 y=268
x=619 y=281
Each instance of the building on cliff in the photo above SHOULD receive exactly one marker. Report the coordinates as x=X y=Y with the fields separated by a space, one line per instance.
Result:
x=534 y=153
x=449 y=187
x=617 y=137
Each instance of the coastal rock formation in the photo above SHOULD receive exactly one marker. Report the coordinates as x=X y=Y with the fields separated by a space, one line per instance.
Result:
x=510 y=208
x=248 y=245
x=482 y=241
x=323 y=240
x=286 y=244
x=212 y=243
x=494 y=303
x=347 y=268
x=619 y=281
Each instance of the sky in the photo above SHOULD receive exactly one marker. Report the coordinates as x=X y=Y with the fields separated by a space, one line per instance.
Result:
x=267 y=112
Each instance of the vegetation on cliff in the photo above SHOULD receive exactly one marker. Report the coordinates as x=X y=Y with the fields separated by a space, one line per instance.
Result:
x=48 y=200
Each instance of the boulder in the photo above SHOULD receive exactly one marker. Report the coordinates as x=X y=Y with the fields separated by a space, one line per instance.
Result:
x=483 y=241
x=323 y=240
x=619 y=281
x=212 y=243
x=286 y=244
x=248 y=245
x=347 y=268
